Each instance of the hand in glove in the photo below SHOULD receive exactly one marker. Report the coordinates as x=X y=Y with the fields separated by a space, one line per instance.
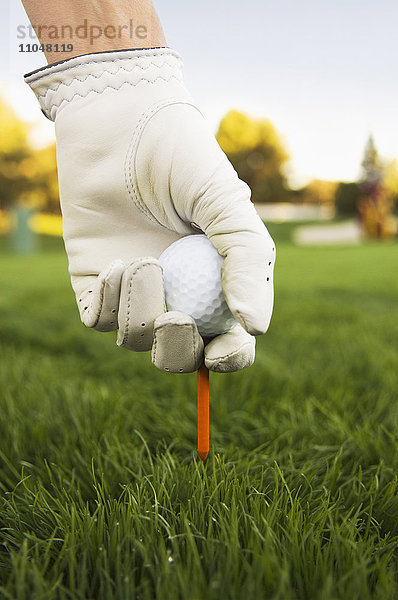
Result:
x=138 y=169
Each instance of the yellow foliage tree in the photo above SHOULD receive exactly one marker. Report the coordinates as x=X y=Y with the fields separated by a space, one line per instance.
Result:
x=28 y=176
x=14 y=149
x=255 y=150
x=390 y=179
x=319 y=191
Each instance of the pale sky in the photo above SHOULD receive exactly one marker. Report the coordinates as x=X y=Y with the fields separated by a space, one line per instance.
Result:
x=323 y=71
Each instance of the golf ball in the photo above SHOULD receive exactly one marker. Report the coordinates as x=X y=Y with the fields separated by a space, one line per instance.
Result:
x=192 y=284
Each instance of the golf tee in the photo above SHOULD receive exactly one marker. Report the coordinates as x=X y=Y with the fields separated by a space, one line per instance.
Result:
x=203 y=412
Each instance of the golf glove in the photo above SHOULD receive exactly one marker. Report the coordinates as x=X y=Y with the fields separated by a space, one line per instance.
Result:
x=138 y=169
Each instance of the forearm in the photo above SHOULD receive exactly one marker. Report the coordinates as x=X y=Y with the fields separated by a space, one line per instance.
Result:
x=94 y=25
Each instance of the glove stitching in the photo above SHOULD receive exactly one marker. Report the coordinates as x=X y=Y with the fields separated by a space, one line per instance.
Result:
x=99 y=306
x=218 y=361
x=125 y=336
x=135 y=59
x=131 y=275
x=130 y=159
x=120 y=67
x=56 y=107
x=100 y=299
x=242 y=318
x=132 y=153
x=165 y=326
x=154 y=347
x=42 y=97
x=195 y=357
x=154 y=344
x=56 y=87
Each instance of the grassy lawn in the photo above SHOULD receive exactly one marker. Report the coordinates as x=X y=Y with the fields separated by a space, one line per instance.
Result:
x=102 y=496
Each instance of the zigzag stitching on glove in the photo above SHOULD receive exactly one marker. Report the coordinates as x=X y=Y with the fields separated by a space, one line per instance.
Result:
x=55 y=88
x=108 y=87
x=65 y=67
x=131 y=154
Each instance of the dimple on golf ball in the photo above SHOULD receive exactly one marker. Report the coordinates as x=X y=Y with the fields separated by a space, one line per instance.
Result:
x=192 y=284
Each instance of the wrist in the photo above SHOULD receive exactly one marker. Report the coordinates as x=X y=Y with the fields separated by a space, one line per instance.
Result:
x=111 y=38
x=86 y=28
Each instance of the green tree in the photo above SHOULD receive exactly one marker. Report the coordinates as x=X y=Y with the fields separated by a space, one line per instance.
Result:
x=347 y=199
x=257 y=153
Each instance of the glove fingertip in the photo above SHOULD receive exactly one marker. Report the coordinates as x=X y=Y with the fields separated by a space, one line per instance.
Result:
x=255 y=324
x=177 y=345
x=231 y=351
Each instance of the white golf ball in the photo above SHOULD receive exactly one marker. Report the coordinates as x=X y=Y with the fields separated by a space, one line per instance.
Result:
x=192 y=284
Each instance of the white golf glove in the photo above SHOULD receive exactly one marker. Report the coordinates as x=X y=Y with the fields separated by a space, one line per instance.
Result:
x=138 y=169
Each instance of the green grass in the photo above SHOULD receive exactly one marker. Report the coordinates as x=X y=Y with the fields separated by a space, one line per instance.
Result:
x=283 y=231
x=103 y=497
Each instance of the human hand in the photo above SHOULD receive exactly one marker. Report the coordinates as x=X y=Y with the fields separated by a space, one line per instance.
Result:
x=138 y=169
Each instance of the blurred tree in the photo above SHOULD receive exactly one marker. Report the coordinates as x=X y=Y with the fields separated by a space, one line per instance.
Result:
x=370 y=161
x=372 y=198
x=41 y=171
x=256 y=152
x=28 y=176
x=319 y=191
x=376 y=203
x=390 y=181
x=347 y=199
x=14 y=149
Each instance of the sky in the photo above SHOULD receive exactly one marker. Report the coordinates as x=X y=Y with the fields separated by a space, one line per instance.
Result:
x=324 y=72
